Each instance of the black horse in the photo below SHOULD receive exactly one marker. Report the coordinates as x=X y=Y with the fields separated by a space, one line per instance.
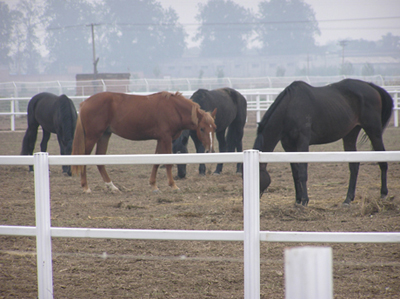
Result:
x=231 y=113
x=56 y=114
x=303 y=115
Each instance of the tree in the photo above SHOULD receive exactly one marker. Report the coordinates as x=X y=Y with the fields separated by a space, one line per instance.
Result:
x=26 y=43
x=286 y=27
x=68 y=34
x=6 y=25
x=389 y=43
x=140 y=35
x=367 y=70
x=225 y=28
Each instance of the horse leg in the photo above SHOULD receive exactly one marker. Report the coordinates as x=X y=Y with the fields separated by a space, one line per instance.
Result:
x=89 y=144
x=234 y=138
x=28 y=143
x=350 y=144
x=45 y=140
x=300 y=177
x=375 y=135
x=199 y=149
x=222 y=148
x=101 y=149
x=163 y=147
x=65 y=168
x=299 y=170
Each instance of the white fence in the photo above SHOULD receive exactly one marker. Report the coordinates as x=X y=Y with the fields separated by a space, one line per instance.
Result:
x=251 y=234
x=258 y=100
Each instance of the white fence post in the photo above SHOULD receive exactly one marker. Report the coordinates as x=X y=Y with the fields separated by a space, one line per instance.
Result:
x=308 y=273
x=251 y=224
x=12 y=115
x=43 y=222
x=396 y=111
x=258 y=117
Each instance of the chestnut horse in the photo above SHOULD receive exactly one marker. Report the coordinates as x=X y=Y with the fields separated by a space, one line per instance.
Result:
x=161 y=116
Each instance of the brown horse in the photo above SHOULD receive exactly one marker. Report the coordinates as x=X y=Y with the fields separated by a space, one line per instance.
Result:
x=161 y=116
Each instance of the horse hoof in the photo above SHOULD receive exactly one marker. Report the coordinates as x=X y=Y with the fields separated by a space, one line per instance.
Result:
x=156 y=191
x=216 y=173
x=346 y=204
x=87 y=191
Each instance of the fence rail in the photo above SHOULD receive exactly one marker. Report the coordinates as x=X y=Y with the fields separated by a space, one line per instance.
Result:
x=258 y=100
x=251 y=234
x=87 y=87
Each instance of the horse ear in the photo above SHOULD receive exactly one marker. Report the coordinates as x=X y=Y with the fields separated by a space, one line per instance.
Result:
x=214 y=113
x=195 y=119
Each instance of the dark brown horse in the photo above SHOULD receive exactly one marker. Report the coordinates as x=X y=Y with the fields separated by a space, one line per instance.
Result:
x=161 y=116
x=303 y=115
x=55 y=114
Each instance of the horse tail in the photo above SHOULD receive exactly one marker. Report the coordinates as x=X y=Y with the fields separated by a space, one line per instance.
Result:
x=68 y=115
x=78 y=146
x=387 y=104
x=258 y=142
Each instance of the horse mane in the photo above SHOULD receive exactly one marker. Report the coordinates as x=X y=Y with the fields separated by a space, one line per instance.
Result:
x=207 y=116
x=168 y=94
x=264 y=121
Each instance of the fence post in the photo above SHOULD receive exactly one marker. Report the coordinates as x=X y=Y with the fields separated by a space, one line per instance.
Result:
x=251 y=224
x=258 y=117
x=396 y=107
x=308 y=273
x=12 y=115
x=43 y=236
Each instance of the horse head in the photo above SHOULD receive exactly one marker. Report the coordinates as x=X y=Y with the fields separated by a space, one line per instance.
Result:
x=206 y=128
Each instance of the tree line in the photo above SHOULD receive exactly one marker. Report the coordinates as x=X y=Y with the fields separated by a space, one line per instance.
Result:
x=136 y=35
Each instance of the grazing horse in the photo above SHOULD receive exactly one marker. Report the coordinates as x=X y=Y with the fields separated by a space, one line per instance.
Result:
x=303 y=115
x=55 y=114
x=161 y=116
x=230 y=110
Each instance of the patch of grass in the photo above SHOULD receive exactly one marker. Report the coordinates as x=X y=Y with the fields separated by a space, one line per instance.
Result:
x=371 y=206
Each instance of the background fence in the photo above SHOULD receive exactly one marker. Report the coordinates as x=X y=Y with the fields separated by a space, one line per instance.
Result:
x=251 y=234
x=258 y=101
x=88 y=87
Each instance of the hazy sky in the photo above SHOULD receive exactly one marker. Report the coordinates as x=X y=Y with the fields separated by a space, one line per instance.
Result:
x=337 y=18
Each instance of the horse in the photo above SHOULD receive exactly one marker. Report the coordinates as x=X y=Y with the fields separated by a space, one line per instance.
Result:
x=55 y=114
x=303 y=115
x=161 y=116
x=230 y=110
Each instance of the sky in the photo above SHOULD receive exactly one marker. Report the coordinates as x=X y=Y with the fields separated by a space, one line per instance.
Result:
x=338 y=19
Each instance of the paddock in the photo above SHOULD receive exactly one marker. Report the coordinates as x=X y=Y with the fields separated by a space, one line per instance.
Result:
x=192 y=269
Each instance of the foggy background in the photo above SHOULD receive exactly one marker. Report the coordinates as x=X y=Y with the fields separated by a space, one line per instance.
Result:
x=199 y=38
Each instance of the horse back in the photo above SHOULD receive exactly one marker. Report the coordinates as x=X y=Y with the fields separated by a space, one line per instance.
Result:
x=41 y=111
x=231 y=105
x=373 y=101
x=136 y=117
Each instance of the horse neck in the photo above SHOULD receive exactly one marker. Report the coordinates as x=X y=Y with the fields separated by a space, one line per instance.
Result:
x=184 y=108
x=270 y=129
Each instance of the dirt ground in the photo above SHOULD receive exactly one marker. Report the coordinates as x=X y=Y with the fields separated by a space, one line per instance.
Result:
x=108 y=268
